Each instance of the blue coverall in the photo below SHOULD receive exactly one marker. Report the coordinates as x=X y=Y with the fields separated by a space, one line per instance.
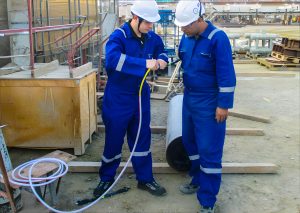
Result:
x=209 y=80
x=126 y=57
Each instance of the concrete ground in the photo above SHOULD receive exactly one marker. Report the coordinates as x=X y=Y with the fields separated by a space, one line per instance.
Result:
x=274 y=97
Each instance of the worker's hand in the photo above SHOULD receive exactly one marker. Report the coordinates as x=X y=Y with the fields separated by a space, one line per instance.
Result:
x=152 y=64
x=221 y=114
x=162 y=64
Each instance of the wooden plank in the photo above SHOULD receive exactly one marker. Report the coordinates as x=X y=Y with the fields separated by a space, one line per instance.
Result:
x=229 y=131
x=17 y=83
x=245 y=131
x=46 y=68
x=249 y=168
x=158 y=129
x=164 y=168
x=9 y=69
x=154 y=129
x=241 y=61
x=88 y=113
x=249 y=117
x=265 y=74
x=7 y=72
x=82 y=70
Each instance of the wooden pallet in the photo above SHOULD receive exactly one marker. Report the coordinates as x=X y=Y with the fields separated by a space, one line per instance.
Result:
x=277 y=65
x=286 y=58
x=296 y=60
x=252 y=56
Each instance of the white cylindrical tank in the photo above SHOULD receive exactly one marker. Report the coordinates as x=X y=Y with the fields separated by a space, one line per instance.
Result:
x=176 y=155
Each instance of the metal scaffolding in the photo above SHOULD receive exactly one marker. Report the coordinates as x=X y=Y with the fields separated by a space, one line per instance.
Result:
x=54 y=27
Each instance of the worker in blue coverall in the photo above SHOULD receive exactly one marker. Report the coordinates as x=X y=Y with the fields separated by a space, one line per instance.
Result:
x=130 y=51
x=209 y=80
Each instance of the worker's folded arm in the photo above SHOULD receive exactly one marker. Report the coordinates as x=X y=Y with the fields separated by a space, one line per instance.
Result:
x=120 y=62
x=224 y=70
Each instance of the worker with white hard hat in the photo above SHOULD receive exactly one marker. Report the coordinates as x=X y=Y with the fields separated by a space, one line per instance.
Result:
x=209 y=80
x=130 y=51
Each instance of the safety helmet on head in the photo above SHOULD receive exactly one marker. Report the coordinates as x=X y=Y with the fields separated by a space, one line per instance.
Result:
x=146 y=9
x=188 y=11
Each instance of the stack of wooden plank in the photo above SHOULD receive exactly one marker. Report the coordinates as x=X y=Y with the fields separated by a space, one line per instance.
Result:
x=287 y=51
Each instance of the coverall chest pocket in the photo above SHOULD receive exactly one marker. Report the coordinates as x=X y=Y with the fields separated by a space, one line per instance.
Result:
x=203 y=60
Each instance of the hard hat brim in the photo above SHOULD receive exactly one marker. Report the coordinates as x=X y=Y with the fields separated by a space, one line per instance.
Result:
x=183 y=24
x=149 y=19
x=152 y=19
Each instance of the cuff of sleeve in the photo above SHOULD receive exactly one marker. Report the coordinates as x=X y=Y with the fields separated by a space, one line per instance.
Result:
x=225 y=100
x=163 y=57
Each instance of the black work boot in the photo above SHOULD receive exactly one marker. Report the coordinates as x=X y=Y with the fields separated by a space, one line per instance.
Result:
x=152 y=187
x=102 y=187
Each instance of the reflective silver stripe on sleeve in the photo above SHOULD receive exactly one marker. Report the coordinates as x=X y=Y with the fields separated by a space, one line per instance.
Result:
x=121 y=62
x=122 y=31
x=226 y=89
x=212 y=33
x=141 y=154
x=194 y=157
x=164 y=54
x=211 y=171
x=111 y=159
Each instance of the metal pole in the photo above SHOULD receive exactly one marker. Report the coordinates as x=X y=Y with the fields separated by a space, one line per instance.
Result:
x=48 y=23
x=63 y=32
x=43 y=34
x=29 y=6
x=75 y=14
x=80 y=32
x=88 y=22
x=70 y=19
x=100 y=46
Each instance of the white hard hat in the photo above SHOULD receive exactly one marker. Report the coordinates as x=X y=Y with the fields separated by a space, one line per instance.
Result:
x=188 y=11
x=146 y=9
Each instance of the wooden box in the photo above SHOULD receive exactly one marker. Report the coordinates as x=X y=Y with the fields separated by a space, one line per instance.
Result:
x=51 y=111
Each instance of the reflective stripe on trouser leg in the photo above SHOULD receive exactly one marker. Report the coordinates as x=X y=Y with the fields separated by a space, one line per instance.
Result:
x=210 y=137
x=141 y=159
x=115 y=122
x=188 y=140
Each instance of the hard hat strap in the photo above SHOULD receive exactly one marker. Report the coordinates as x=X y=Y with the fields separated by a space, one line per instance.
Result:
x=140 y=22
x=200 y=9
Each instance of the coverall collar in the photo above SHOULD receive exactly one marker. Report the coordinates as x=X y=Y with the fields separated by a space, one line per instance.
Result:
x=130 y=32
x=208 y=30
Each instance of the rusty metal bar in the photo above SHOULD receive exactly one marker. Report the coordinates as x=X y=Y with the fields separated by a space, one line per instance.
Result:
x=9 y=32
x=48 y=33
x=78 y=44
x=68 y=34
x=29 y=6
